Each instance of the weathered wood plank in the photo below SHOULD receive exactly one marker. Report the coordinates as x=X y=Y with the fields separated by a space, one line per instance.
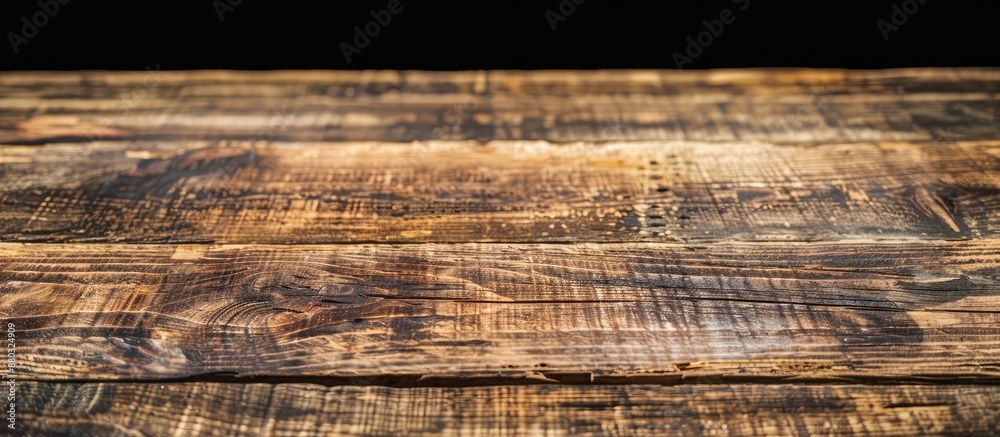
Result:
x=117 y=409
x=776 y=106
x=721 y=118
x=544 y=313
x=535 y=81
x=672 y=186
x=498 y=192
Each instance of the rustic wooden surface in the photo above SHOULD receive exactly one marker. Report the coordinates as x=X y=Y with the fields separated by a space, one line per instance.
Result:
x=611 y=312
x=127 y=409
x=503 y=253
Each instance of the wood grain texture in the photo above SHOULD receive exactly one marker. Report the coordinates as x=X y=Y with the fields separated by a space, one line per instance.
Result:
x=778 y=106
x=453 y=313
x=115 y=409
x=733 y=252
x=499 y=192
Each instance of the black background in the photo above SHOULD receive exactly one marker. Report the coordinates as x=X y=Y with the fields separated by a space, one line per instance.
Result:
x=440 y=35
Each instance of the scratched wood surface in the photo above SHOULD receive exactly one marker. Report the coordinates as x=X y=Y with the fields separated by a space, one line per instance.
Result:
x=899 y=311
x=350 y=192
x=126 y=409
x=503 y=253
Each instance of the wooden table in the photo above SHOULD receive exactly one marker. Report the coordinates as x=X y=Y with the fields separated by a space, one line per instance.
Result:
x=502 y=253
